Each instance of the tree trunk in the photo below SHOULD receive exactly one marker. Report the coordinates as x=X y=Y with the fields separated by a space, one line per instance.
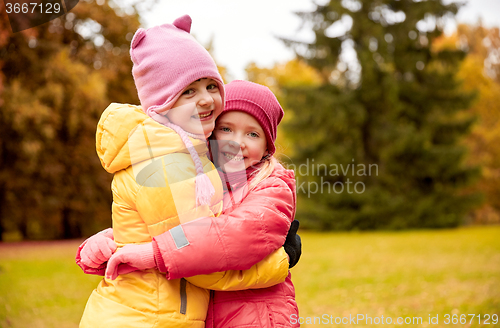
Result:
x=66 y=234
x=2 y=211
x=23 y=227
x=71 y=229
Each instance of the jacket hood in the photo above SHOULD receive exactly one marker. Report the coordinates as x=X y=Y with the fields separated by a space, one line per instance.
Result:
x=126 y=136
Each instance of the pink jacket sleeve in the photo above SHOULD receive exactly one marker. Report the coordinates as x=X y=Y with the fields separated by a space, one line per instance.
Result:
x=236 y=240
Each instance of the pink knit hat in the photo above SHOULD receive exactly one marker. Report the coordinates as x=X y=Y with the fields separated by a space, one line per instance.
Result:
x=258 y=101
x=166 y=60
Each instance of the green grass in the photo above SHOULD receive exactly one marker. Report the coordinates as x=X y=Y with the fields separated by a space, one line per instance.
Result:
x=400 y=274
x=41 y=286
x=394 y=274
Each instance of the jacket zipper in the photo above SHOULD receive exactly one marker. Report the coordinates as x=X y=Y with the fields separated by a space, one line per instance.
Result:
x=183 y=296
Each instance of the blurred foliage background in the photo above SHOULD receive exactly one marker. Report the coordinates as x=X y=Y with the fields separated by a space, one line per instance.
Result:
x=418 y=107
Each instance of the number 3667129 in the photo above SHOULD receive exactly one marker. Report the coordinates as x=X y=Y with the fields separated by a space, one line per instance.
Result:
x=25 y=8
x=463 y=319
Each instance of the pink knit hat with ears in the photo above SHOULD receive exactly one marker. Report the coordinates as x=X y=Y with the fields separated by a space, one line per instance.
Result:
x=259 y=102
x=166 y=60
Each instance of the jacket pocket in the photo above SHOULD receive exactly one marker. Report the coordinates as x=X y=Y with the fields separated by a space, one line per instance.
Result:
x=183 y=296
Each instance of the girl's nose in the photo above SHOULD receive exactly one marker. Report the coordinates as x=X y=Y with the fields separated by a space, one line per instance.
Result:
x=206 y=99
x=237 y=143
x=234 y=144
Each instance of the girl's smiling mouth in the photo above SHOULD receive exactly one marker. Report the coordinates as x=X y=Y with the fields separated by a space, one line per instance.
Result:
x=204 y=116
x=233 y=157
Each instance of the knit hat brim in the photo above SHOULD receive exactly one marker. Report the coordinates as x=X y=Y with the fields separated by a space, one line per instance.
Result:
x=169 y=104
x=256 y=111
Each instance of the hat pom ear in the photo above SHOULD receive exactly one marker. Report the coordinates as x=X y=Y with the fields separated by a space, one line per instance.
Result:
x=184 y=23
x=138 y=36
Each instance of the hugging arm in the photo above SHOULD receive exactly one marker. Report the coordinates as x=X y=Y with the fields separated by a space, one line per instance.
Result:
x=272 y=270
x=96 y=251
x=236 y=241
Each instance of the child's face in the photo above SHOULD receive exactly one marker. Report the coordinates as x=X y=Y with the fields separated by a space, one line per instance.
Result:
x=197 y=108
x=241 y=141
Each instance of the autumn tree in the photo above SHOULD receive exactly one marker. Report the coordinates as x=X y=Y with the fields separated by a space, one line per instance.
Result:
x=387 y=118
x=56 y=80
x=286 y=75
x=481 y=71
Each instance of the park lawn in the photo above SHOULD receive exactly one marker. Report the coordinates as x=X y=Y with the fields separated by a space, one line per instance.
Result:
x=399 y=274
x=392 y=274
x=41 y=286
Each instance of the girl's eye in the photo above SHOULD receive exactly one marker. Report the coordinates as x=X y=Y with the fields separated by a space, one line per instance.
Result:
x=188 y=92
x=253 y=134
x=225 y=129
x=212 y=87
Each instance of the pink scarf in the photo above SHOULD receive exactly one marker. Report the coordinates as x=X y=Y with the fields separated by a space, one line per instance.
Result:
x=235 y=180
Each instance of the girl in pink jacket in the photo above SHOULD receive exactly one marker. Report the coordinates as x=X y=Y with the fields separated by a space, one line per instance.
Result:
x=259 y=206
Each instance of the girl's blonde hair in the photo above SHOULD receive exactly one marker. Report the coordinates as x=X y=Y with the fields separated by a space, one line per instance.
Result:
x=263 y=173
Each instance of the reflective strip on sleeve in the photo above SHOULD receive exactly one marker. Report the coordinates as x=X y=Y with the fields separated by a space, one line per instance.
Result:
x=179 y=237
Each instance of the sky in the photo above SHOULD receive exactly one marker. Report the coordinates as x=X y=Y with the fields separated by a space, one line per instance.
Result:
x=246 y=31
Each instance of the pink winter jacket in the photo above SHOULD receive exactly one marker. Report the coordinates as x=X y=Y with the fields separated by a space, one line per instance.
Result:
x=247 y=232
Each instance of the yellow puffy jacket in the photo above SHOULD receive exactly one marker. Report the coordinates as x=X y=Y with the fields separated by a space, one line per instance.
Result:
x=153 y=191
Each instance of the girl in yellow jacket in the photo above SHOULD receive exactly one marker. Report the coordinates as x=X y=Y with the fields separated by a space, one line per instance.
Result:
x=163 y=177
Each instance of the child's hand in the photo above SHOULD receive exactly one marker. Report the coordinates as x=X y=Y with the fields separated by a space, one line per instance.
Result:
x=293 y=244
x=131 y=258
x=98 y=249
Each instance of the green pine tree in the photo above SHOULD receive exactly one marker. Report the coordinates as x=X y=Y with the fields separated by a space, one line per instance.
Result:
x=395 y=111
